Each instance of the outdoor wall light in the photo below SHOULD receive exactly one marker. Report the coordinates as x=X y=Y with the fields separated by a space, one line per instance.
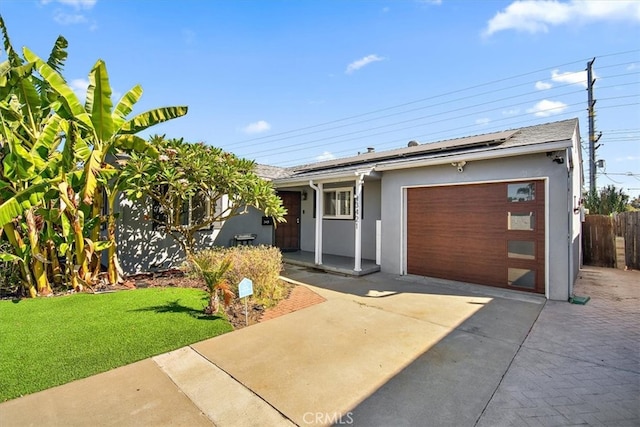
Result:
x=459 y=165
x=304 y=194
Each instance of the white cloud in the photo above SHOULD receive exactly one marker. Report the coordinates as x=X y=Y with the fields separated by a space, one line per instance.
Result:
x=546 y=108
x=80 y=87
x=257 y=127
x=537 y=16
x=77 y=4
x=327 y=155
x=574 y=78
x=483 y=121
x=63 y=15
x=543 y=85
x=356 y=65
x=63 y=18
x=511 y=112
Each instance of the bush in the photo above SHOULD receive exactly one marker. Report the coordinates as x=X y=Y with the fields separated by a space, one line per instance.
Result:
x=261 y=264
x=9 y=275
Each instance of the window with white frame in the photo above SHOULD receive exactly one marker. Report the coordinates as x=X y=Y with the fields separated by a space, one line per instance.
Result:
x=194 y=210
x=338 y=203
x=197 y=210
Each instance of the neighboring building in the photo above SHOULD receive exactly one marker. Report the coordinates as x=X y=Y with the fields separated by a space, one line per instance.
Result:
x=500 y=209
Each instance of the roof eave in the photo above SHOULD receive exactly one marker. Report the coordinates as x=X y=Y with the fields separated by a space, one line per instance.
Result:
x=337 y=176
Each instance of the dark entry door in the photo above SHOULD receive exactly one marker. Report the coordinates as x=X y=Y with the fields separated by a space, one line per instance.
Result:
x=288 y=233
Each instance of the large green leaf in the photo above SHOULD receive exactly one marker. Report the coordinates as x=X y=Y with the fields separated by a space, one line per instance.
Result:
x=5 y=67
x=6 y=257
x=56 y=60
x=18 y=164
x=136 y=144
x=98 y=102
x=30 y=103
x=21 y=71
x=91 y=169
x=20 y=202
x=104 y=175
x=101 y=245
x=153 y=117
x=48 y=140
x=125 y=106
x=13 y=57
x=56 y=82
x=58 y=54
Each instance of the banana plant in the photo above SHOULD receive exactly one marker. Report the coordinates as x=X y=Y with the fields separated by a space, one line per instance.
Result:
x=39 y=112
x=110 y=133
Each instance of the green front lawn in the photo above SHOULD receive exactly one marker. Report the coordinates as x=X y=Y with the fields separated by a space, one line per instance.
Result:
x=45 y=342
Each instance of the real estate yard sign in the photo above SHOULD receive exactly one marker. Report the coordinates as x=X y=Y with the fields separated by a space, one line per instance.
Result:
x=245 y=288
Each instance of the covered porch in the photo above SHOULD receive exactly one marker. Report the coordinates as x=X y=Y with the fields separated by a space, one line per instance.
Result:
x=330 y=263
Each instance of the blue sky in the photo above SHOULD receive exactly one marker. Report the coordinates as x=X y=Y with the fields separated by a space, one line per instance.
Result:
x=291 y=82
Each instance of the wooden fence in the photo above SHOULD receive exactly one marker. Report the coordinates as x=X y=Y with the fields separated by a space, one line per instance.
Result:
x=628 y=226
x=599 y=239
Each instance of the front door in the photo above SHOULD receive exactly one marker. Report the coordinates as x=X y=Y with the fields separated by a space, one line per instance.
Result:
x=288 y=233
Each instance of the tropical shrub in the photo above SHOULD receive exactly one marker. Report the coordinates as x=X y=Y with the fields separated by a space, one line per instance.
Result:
x=206 y=183
x=217 y=285
x=608 y=201
x=54 y=170
x=261 y=264
x=9 y=274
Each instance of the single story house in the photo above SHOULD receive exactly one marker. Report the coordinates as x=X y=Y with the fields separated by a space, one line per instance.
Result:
x=500 y=209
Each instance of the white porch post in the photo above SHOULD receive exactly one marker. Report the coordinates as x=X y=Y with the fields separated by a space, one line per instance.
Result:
x=319 y=210
x=358 y=223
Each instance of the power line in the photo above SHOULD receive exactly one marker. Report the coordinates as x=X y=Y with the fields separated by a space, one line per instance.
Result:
x=305 y=143
x=414 y=102
x=455 y=115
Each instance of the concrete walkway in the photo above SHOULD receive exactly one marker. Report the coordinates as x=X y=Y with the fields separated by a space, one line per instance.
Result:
x=381 y=350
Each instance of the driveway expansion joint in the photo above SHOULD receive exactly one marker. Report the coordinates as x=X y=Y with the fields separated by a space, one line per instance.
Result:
x=256 y=395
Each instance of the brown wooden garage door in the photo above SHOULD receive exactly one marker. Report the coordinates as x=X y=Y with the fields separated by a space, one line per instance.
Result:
x=490 y=234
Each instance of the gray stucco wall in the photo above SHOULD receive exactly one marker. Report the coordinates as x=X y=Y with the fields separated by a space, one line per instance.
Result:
x=141 y=249
x=339 y=234
x=513 y=168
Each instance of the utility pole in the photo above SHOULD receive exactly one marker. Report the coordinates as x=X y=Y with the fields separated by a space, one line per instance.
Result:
x=591 y=103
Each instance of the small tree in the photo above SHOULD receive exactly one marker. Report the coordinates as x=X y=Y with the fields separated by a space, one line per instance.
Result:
x=193 y=186
x=608 y=201
x=213 y=276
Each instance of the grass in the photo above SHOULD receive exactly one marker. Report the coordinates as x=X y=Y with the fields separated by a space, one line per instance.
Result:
x=46 y=342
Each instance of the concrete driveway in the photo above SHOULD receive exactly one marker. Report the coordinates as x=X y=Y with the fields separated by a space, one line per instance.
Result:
x=416 y=352
x=381 y=350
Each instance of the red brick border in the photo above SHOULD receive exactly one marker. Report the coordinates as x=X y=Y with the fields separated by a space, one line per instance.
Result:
x=299 y=298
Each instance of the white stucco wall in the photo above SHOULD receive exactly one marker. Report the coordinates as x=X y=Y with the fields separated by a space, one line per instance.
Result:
x=537 y=166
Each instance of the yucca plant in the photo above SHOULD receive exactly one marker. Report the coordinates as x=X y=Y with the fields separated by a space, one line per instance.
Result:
x=217 y=285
